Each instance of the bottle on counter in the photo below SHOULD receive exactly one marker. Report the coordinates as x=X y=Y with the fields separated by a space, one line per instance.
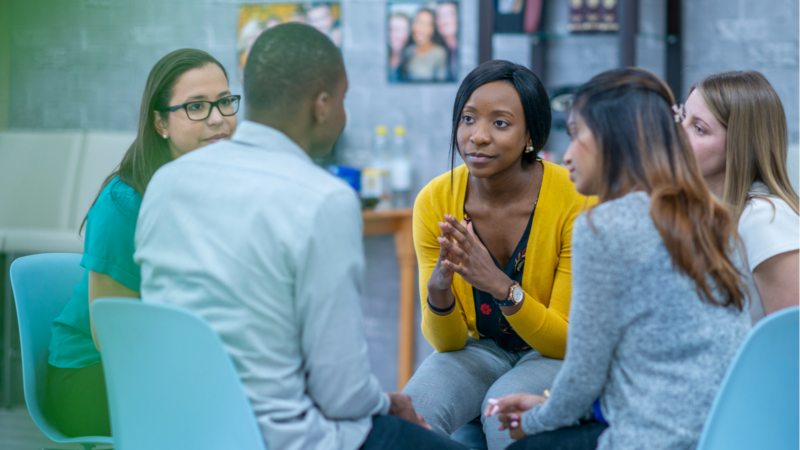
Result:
x=376 y=179
x=400 y=165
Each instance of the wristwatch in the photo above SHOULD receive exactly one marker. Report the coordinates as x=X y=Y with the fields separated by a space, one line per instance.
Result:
x=515 y=296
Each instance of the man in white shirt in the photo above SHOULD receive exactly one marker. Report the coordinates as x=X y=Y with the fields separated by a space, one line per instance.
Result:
x=267 y=247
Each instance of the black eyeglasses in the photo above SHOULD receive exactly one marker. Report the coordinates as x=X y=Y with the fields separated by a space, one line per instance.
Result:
x=201 y=110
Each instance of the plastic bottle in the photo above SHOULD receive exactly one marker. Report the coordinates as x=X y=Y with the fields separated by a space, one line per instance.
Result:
x=375 y=180
x=400 y=170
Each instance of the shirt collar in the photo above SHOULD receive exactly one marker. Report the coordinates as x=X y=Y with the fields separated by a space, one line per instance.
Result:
x=262 y=136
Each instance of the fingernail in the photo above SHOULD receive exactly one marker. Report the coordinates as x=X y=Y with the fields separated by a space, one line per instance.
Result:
x=495 y=410
x=514 y=424
x=514 y=417
x=493 y=401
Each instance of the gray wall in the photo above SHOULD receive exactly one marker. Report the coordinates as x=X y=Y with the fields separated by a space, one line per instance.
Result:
x=5 y=61
x=83 y=64
x=740 y=34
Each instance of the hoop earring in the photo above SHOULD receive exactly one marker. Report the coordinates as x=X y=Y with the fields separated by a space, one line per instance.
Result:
x=529 y=149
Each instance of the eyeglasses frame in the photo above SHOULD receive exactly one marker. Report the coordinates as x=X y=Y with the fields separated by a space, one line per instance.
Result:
x=238 y=99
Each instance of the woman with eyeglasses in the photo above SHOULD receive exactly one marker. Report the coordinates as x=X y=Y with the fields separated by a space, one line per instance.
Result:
x=187 y=104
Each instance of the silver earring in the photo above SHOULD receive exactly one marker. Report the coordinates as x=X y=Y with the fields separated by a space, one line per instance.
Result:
x=529 y=149
x=165 y=136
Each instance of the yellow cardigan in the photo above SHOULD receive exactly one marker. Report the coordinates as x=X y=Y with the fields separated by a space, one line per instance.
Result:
x=546 y=278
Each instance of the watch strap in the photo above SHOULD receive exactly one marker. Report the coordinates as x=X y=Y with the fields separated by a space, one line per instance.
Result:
x=508 y=301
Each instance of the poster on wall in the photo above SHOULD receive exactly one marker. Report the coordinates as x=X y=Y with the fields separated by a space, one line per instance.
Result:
x=254 y=19
x=508 y=16
x=423 y=41
x=593 y=16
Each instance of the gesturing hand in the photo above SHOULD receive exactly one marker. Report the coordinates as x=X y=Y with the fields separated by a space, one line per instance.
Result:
x=510 y=409
x=442 y=277
x=476 y=265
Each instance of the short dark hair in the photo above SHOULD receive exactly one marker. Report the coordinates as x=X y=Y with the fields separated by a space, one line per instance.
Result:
x=535 y=103
x=288 y=62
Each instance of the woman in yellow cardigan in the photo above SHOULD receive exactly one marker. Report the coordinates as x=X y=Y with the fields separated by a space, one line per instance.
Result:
x=493 y=244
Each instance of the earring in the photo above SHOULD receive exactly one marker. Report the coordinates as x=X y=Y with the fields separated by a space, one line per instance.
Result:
x=165 y=136
x=529 y=149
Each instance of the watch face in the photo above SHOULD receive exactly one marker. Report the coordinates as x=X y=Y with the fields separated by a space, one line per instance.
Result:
x=518 y=294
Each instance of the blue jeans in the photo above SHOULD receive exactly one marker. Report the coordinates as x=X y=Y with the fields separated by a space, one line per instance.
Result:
x=394 y=433
x=450 y=389
x=579 y=437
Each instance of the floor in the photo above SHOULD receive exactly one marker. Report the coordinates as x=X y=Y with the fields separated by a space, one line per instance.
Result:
x=18 y=432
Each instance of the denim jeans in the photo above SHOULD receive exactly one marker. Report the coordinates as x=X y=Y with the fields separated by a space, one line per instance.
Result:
x=579 y=437
x=451 y=389
x=394 y=433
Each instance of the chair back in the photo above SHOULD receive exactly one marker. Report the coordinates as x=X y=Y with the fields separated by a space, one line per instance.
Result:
x=757 y=403
x=170 y=382
x=42 y=286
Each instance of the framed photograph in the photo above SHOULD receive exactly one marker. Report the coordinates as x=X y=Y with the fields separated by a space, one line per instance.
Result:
x=423 y=41
x=592 y=16
x=254 y=19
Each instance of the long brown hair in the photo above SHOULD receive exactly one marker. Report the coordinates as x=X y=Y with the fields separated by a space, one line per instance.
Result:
x=150 y=151
x=643 y=148
x=757 y=137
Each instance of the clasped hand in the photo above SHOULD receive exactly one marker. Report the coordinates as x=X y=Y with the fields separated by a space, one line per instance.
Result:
x=462 y=252
x=510 y=409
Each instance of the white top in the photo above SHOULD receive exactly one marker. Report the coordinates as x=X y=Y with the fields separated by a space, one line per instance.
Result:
x=268 y=248
x=768 y=227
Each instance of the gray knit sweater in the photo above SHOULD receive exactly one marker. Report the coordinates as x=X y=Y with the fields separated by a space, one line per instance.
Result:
x=640 y=338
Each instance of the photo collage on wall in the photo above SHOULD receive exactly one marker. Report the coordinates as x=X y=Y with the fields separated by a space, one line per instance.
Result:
x=593 y=16
x=254 y=19
x=423 y=41
x=422 y=36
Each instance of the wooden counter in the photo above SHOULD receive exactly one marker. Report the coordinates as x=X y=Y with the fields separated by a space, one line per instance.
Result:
x=398 y=223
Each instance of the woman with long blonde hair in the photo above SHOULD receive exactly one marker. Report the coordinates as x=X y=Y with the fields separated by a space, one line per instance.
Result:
x=736 y=124
x=657 y=308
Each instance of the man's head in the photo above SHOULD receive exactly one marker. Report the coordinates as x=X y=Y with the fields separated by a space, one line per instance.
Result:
x=295 y=81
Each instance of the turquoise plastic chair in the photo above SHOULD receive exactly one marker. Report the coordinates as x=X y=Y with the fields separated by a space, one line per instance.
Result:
x=170 y=382
x=757 y=403
x=42 y=286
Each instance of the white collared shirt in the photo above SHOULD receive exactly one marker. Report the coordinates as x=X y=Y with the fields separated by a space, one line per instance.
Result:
x=268 y=248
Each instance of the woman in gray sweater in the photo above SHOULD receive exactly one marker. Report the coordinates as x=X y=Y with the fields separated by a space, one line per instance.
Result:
x=657 y=296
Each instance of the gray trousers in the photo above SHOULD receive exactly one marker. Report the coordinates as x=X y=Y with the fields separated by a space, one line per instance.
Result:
x=450 y=389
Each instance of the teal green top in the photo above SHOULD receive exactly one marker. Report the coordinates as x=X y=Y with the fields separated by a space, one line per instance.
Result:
x=108 y=249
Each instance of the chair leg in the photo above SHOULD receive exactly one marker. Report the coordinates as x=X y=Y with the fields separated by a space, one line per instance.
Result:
x=7 y=349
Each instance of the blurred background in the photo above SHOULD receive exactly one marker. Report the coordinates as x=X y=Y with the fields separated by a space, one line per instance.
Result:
x=72 y=74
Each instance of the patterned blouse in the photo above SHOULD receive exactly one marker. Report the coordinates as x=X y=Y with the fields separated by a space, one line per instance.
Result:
x=491 y=322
